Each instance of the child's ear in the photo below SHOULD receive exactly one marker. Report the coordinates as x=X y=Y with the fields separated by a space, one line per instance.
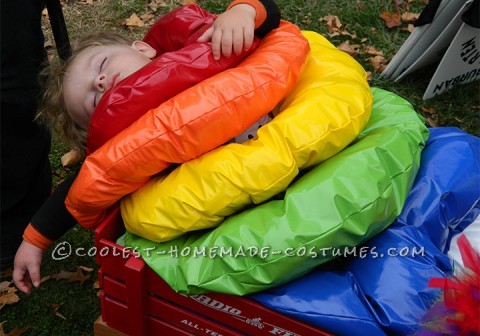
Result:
x=144 y=48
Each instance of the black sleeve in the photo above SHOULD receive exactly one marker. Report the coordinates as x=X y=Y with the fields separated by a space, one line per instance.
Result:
x=272 y=20
x=53 y=219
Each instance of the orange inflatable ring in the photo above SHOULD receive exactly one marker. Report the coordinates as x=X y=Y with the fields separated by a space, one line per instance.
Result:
x=188 y=125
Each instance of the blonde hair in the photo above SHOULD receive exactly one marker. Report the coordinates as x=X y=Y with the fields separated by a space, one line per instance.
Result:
x=52 y=109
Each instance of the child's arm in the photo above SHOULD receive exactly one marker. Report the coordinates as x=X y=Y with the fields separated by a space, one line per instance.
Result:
x=234 y=29
x=48 y=224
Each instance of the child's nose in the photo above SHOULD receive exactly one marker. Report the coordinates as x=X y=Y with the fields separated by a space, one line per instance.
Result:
x=100 y=83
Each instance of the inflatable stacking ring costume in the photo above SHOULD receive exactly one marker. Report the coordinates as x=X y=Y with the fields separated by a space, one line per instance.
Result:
x=189 y=124
x=328 y=108
x=341 y=202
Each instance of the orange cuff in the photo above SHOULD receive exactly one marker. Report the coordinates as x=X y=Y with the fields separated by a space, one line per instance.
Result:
x=34 y=237
x=261 y=12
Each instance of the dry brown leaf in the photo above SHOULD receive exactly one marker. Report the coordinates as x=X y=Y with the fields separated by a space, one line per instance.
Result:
x=370 y=50
x=378 y=62
x=86 y=269
x=134 y=21
x=391 y=20
x=346 y=33
x=147 y=16
x=189 y=2
x=45 y=278
x=428 y=110
x=156 y=4
x=333 y=34
x=8 y=294
x=72 y=158
x=346 y=47
x=333 y=23
x=96 y=285
x=16 y=331
x=8 y=299
x=409 y=17
x=55 y=311
x=72 y=276
x=4 y=285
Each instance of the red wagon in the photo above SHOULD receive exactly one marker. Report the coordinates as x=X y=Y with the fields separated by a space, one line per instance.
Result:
x=136 y=301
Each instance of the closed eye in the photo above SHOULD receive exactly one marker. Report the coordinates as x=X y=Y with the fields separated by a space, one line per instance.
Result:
x=100 y=68
x=101 y=64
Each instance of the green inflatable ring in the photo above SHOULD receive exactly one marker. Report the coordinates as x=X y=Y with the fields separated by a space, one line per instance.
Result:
x=338 y=204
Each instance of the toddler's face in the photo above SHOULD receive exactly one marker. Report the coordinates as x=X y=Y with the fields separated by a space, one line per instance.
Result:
x=97 y=69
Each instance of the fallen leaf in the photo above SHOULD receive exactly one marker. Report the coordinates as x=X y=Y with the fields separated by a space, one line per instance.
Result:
x=4 y=285
x=346 y=33
x=378 y=62
x=346 y=47
x=409 y=17
x=333 y=23
x=428 y=110
x=55 y=311
x=71 y=158
x=134 y=21
x=147 y=16
x=45 y=278
x=333 y=34
x=370 y=50
x=8 y=294
x=72 y=276
x=96 y=285
x=189 y=2
x=391 y=20
x=17 y=331
x=86 y=269
x=156 y=4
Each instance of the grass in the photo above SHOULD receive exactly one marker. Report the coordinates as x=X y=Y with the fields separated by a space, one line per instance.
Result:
x=60 y=307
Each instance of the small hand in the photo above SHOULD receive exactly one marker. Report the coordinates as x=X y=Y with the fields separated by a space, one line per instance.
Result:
x=232 y=31
x=26 y=271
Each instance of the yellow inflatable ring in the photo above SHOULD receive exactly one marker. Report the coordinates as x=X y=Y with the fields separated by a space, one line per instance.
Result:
x=328 y=108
